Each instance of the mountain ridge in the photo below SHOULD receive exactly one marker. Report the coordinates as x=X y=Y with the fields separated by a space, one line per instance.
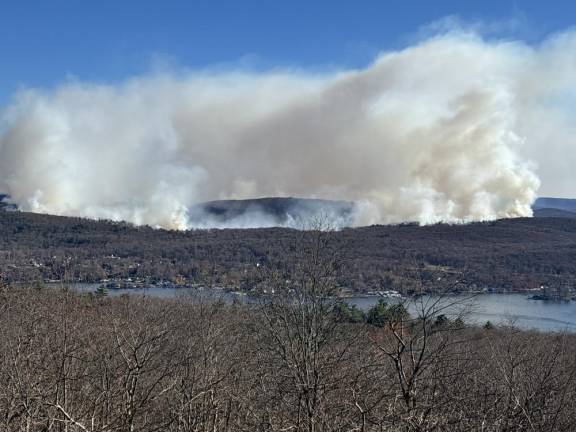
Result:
x=508 y=254
x=299 y=212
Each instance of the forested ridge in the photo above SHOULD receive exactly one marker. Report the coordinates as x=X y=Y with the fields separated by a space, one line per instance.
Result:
x=507 y=254
x=294 y=358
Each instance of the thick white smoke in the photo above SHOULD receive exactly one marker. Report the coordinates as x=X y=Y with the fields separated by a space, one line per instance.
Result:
x=441 y=131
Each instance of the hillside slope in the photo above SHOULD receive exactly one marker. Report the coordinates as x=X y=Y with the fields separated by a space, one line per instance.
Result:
x=505 y=254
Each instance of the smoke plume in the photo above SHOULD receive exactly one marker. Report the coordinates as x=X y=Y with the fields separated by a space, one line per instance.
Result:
x=449 y=129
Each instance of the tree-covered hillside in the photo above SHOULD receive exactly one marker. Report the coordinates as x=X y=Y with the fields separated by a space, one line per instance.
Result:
x=507 y=254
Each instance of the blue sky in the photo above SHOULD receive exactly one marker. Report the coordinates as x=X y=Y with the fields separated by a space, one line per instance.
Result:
x=44 y=42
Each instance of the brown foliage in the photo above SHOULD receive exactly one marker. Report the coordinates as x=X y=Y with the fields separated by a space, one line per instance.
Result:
x=79 y=363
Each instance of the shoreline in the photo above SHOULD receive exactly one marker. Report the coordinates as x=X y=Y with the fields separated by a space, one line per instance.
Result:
x=387 y=294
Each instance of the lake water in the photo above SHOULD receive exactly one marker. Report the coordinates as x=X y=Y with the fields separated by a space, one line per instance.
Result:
x=515 y=309
x=498 y=308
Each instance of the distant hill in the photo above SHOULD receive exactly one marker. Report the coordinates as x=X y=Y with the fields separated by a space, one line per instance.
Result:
x=295 y=212
x=555 y=207
x=555 y=203
x=268 y=212
x=301 y=212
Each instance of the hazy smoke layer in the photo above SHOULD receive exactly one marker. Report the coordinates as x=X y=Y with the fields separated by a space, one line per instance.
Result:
x=440 y=131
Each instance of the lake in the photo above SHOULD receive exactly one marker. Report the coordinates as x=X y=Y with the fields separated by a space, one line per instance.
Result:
x=514 y=308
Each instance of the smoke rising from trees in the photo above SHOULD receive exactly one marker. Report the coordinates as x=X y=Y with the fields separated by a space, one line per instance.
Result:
x=454 y=128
